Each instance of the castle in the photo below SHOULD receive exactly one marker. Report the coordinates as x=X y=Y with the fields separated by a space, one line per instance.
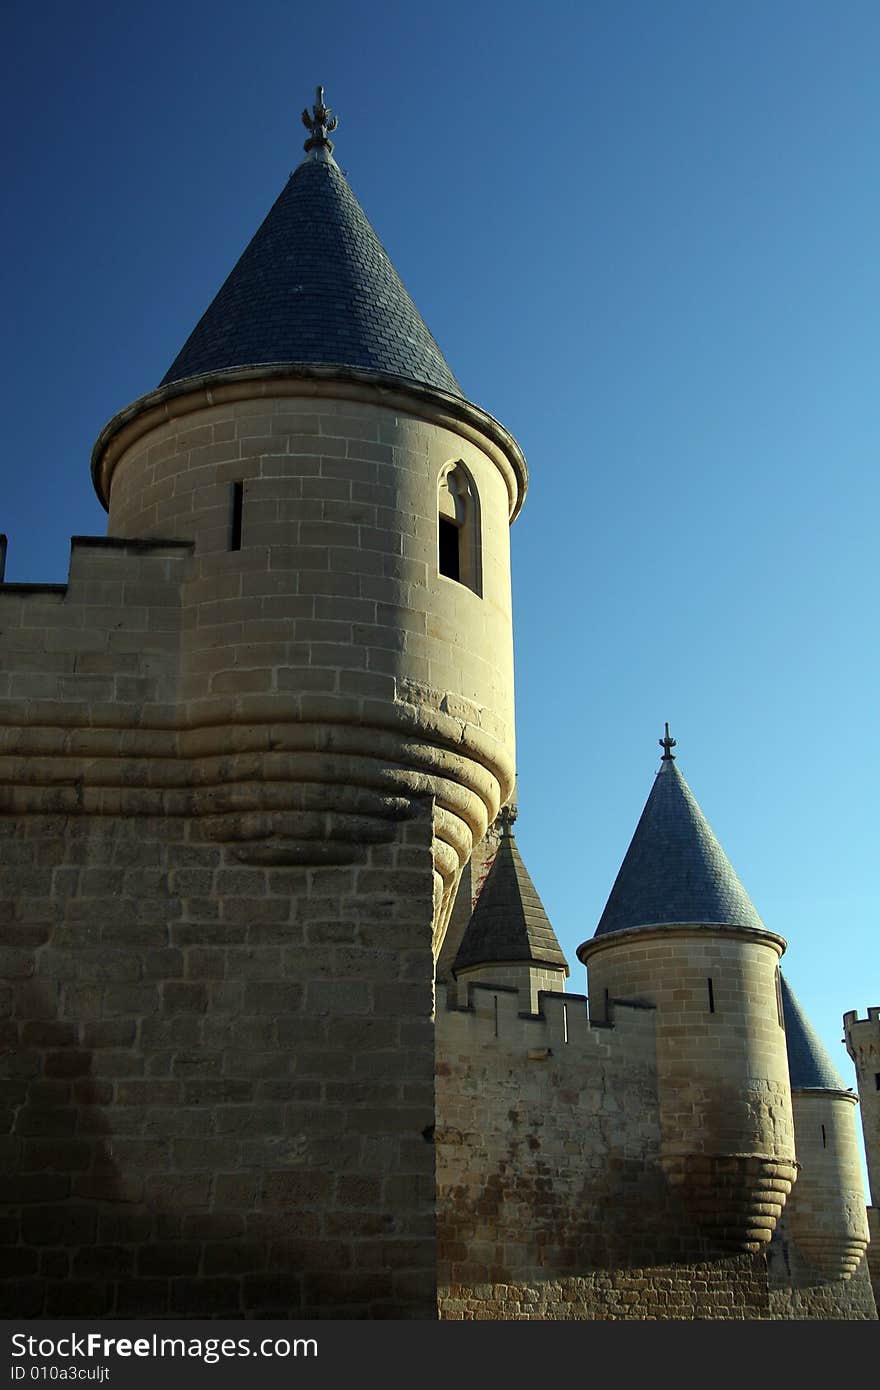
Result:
x=285 y=1024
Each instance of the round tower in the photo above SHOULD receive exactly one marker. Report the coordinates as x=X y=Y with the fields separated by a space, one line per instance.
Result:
x=827 y=1209
x=679 y=933
x=862 y=1038
x=348 y=638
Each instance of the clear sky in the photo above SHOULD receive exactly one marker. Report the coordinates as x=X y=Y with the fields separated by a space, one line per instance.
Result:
x=646 y=237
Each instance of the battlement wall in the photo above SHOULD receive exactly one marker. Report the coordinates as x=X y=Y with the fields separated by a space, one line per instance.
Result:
x=88 y=681
x=553 y=1201
x=862 y=1032
x=547 y=1135
x=80 y=652
x=481 y=1015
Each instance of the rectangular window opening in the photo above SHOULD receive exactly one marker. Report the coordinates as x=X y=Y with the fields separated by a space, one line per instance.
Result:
x=235 y=521
x=711 y=995
x=877 y=1080
x=450 y=560
x=824 y=1139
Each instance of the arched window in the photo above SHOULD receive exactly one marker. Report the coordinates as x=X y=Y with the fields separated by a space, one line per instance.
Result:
x=458 y=528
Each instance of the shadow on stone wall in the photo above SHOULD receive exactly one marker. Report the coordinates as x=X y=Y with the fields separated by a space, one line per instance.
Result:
x=61 y=1231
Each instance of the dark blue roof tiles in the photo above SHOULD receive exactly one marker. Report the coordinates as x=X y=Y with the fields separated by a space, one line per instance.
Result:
x=315 y=286
x=509 y=922
x=675 y=871
x=809 y=1065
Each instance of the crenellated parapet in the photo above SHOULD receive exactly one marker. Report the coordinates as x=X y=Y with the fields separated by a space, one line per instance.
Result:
x=485 y=1012
x=547 y=1136
x=89 y=672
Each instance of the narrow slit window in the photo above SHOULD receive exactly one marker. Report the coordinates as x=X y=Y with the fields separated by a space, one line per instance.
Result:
x=711 y=994
x=824 y=1138
x=458 y=528
x=877 y=1080
x=780 y=1015
x=236 y=514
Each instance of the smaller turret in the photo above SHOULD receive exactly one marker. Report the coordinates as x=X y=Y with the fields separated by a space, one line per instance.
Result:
x=509 y=939
x=680 y=933
x=862 y=1038
x=826 y=1212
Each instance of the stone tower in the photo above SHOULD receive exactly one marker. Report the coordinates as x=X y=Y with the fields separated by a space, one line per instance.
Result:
x=253 y=741
x=679 y=932
x=862 y=1038
x=350 y=512
x=826 y=1211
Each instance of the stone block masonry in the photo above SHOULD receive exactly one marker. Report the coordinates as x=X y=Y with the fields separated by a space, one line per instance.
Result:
x=326 y=614
x=217 y=1080
x=553 y=1200
x=239 y=776
x=217 y=1075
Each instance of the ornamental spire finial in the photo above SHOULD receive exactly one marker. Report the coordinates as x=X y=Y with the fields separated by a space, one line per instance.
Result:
x=319 y=123
x=667 y=744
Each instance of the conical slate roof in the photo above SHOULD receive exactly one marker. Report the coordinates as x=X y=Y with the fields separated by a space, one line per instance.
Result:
x=675 y=871
x=315 y=286
x=509 y=922
x=809 y=1065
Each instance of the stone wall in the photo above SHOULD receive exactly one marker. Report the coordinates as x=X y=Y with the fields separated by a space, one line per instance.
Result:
x=217 y=1075
x=218 y=1079
x=552 y=1197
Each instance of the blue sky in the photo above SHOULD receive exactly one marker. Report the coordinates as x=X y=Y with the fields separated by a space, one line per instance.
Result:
x=645 y=236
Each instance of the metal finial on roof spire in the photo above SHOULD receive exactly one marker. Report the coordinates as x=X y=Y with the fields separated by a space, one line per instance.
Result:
x=667 y=744
x=319 y=123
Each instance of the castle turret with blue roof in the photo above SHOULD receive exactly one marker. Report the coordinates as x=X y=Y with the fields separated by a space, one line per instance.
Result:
x=675 y=871
x=345 y=676
x=509 y=939
x=349 y=503
x=315 y=285
x=679 y=933
x=827 y=1209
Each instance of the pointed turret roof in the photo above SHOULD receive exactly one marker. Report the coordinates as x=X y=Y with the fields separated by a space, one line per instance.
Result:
x=675 y=871
x=809 y=1064
x=315 y=286
x=509 y=922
